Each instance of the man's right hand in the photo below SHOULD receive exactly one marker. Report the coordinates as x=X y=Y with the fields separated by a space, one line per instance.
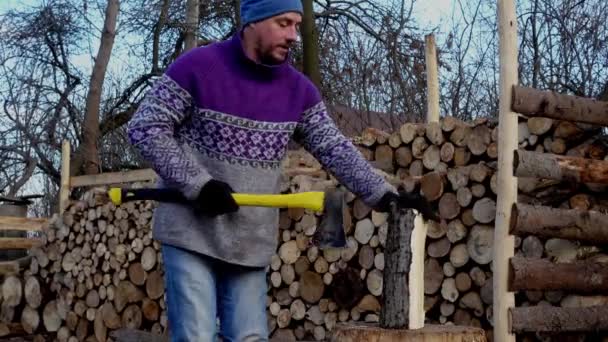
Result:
x=216 y=199
x=407 y=200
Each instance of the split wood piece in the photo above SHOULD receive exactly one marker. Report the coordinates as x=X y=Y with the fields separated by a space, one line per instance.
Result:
x=133 y=335
x=448 y=206
x=561 y=168
x=571 y=224
x=542 y=274
x=357 y=331
x=434 y=133
x=539 y=125
x=416 y=274
x=432 y=185
x=383 y=158
x=398 y=256
x=23 y=223
x=311 y=287
x=538 y=103
x=403 y=156
x=20 y=243
x=433 y=276
x=407 y=132
x=109 y=178
x=447 y=152
x=547 y=318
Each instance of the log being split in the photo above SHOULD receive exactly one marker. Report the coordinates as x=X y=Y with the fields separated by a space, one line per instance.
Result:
x=534 y=102
x=556 y=319
x=568 y=224
x=561 y=168
x=398 y=257
x=542 y=274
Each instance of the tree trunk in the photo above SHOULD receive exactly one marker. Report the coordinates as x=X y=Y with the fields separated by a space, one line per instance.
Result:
x=310 y=44
x=533 y=102
x=162 y=18
x=88 y=155
x=237 y=13
x=561 y=168
x=568 y=224
x=397 y=264
x=556 y=319
x=190 y=40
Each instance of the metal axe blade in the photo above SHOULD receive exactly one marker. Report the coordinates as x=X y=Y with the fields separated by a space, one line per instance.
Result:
x=330 y=232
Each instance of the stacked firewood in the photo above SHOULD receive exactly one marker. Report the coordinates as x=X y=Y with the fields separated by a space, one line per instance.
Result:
x=452 y=164
x=101 y=270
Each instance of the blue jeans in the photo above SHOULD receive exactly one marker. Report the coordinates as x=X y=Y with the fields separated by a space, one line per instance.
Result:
x=200 y=289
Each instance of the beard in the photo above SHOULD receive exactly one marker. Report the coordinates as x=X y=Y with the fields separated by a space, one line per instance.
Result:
x=269 y=55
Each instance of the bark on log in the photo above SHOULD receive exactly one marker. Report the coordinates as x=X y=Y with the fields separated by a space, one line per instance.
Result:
x=354 y=331
x=397 y=254
x=570 y=224
x=538 y=103
x=561 y=168
x=555 y=319
x=542 y=274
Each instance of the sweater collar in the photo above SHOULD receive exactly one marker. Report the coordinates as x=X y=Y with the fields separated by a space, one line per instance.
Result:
x=236 y=44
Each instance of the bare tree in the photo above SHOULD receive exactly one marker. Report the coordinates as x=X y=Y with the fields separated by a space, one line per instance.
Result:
x=310 y=42
x=192 y=10
x=87 y=155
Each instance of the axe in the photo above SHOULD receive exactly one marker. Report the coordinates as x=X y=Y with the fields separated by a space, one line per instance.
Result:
x=329 y=233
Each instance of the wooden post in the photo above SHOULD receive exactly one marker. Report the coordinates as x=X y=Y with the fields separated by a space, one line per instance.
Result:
x=507 y=184
x=432 y=79
x=418 y=239
x=64 y=190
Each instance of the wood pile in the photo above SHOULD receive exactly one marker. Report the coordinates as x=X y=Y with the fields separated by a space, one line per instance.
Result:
x=101 y=270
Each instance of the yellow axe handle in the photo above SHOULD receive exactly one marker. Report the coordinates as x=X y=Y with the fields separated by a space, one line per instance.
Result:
x=312 y=200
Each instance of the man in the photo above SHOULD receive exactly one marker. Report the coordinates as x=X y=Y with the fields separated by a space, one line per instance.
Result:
x=217 y=122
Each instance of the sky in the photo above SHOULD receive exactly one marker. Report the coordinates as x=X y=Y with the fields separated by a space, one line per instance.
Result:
x=428 y=13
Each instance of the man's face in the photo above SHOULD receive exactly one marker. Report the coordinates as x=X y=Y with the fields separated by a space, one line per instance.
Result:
x=275 y=36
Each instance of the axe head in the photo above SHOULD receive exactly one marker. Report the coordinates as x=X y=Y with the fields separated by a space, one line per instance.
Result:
x=330 y=232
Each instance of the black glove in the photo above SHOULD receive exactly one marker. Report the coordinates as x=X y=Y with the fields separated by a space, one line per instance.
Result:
x=216 y=199
x=407 y=200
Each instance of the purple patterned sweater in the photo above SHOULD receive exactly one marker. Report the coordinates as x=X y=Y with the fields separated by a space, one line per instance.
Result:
x=215 y=113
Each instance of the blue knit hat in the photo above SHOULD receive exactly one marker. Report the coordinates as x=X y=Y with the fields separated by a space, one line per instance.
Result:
x=256 y=10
